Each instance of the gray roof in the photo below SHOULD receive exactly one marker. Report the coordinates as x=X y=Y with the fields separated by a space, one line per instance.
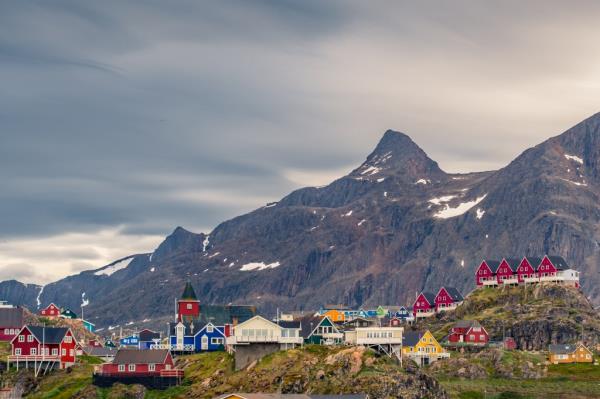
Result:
x=513 y=263
x=493 y=264
x=560 y=349
x=309 y=323
x=11 y=317
x=49 y=335
x=148 y=335
x=455 y=294
x=289 y=324
x=137 y=356
x=466 y=324
x=559 y=262
x=99 y=351
x=429 y=296
x=411 y=338
x=534 y=262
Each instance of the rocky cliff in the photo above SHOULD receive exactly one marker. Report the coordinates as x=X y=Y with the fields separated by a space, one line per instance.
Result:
x=395 y=225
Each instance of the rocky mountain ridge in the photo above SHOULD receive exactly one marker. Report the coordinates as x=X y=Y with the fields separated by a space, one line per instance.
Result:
x=395 y=225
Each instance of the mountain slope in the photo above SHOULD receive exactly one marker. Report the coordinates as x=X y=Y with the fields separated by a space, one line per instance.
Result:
x=395 y=225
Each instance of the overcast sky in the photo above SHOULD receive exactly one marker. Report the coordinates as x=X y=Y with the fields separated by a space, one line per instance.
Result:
x=122 y=120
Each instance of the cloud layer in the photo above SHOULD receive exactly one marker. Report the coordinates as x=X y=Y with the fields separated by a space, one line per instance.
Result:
x=121 y=120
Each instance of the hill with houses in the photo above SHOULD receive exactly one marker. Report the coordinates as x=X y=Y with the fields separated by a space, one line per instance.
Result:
x=394 y=225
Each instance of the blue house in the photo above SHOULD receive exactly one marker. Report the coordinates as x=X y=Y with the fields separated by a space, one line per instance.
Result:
x=184 y=337
x=91 y=327
x=131 y=341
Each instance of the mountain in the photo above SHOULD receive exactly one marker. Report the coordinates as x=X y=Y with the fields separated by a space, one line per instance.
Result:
x=395 y=225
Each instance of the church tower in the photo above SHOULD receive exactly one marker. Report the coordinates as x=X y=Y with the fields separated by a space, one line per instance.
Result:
x=188 y=307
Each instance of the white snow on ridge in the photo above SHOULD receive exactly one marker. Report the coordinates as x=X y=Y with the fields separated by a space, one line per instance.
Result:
x=205 y=244
x=380 y=180
x=347 y=213
x=574 y=158
x=440 y=200
x=361 y=222
x=109 y=270
x=422 y=181
x=39 y=297
x=480 y=213
x=152 y=269
x=371 y=170
x=213 y=255
x=84 y=301
x=584 y=184
x=259 y=266
x=448 y=212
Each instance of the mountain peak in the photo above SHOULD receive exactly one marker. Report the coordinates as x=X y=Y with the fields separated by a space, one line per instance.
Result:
x=398 y=155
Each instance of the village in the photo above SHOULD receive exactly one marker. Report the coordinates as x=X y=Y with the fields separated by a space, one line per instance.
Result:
x=150 y=357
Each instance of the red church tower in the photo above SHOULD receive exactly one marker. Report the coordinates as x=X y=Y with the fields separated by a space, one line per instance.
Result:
x=188 y=307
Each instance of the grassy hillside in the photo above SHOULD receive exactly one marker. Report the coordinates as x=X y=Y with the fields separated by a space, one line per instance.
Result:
x=535 y=316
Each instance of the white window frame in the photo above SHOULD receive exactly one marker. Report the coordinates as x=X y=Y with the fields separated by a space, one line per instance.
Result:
x=17 y=351
x=21 y=338
x=121 y=367
x=54 y=351
x=30 y=338
x=188 y=306
x=131 y=368
x=151 y=367
x=33 y=351
x=210 y=328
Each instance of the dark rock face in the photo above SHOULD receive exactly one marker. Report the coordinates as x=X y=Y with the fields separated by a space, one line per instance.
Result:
x=395 y=225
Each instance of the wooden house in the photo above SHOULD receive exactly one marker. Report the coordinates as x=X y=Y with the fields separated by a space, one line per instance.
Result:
x=260 y=330
x=422 y=347
x=424 y=305
x=68 y=314
x=526 y=270
x=337 y=316
x=321 y=331
x=485 y=275
x=131 y=341
x=54 y=346
x=448 y=298
x=509 y=344
x=136 y=362
x=186 y=337
x=11 y=322
x=51 y=311
x=147 y=338
x=188 y=307
x=506 y=272
x=570 y=354
x=387 y=340
x=468 y=332
x=109 y=344
x=88 y=325
x=360 y=322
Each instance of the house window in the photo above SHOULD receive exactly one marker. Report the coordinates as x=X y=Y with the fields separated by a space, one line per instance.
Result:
x=167 y=367
x=152 y=367
x=131 y=367
x=21 y=338
x=216 y=341
x=33 y=351
x=17 y=351
x=482 y=337
x=63 y=352
x=30 y=338
x=189 y=306
x=54 y=351
x=68 y=339
x=472 y=337
x=209 y=328
x=121 y=367
x=70 y=352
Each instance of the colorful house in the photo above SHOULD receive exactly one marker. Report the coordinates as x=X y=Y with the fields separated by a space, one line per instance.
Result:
x=188 y=307
x=468 y=332
x=185 y=338
x=570 y=354
x=137 y=366
x=54 y=346
x=387 y=340
x=11 y=322
x=424 y=305
x=485 y=274
x=51 y=311
x=509 y=344
x=506 y=272
x=360 y=322
x=337 y=316
x=131 y=341
x=422 y=347
x=321 y=331
x=147 y=338
x=68 y=314
x=109 y=344
x=448 y=298
x=398 y=311
x=88 y=325
x=526 y=270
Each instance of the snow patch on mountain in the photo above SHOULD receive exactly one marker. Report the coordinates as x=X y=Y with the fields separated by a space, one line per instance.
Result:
x=349 y=213
x=423 y=181
x=361 y=222
x=84 y=300
x=574 y=158
x=371 y=170
x=205 y=244
x=480 y=213
x=440 y=200
x=259 y=266
x=462 y=208
x=584 y=184
x=38 y=299
x=109 y=270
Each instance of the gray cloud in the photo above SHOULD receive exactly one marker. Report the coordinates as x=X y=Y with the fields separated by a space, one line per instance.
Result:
x=125 y=119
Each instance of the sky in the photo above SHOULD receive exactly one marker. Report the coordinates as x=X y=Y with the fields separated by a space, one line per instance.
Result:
x=120 y=120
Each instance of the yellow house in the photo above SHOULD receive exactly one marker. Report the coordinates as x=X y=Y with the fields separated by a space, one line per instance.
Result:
x=422 y=347
x=337 y=316
x=570 y=354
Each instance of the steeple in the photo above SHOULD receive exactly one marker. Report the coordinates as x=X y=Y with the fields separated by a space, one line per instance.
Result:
x=188 y=307
x=188 y=292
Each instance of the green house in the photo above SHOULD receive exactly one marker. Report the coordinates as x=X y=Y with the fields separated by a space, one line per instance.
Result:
x=68 y=314
x=321 y=331
x=381 y=311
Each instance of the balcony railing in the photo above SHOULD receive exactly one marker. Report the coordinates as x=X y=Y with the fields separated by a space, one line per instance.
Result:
x=121 y=374
x=511 y=280
x=379 y=341
x=490 y=282
x=33 y=358
x=246 y=339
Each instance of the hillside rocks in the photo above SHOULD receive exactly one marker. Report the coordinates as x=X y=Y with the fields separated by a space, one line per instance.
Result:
x=395 y=225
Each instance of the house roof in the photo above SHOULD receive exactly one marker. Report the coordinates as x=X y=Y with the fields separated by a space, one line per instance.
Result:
x=100 y=351
x=466 y=324
x=396 y=308
x=560 y=349
x=188 y=328
x=137 y=356
x=493 y=264
x=454 y=293
x=289 y=324
x=559 y=262
x=513 y=263
x=336 y=307
x=11 y=317
x=429 y=296
x=309 y=323
x=534 y=262
x=148 y=335
x=188 y=292
x=225 y=314
x=49 y=335
x=411 y=338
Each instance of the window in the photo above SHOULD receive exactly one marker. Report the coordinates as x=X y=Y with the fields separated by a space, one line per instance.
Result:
x=68 y=339
x=6 y=331
x=33 y=351
x=482 y=337
x=54 y=351
x=18 y=351
x=131 y=367
x=71 y=352
x=167 y=367
x=21 y=338
x=472 y=337
x=216 y=341
x=121 y=367
x=152 y=367
x=209 y=328
x=30 y=338
x=189 y=306
x=63 y=352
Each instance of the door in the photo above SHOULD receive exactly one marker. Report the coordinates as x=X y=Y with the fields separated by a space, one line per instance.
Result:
x=204 y=343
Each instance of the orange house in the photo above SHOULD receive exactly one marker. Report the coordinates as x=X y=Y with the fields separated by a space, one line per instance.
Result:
x=337 y=316
x=570 y=354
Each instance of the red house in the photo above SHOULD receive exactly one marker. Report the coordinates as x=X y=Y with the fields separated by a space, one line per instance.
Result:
x=140 y=363
x=550 y=265
x=509 y=344
x=485 y=273
x=11 y=322
x=424 y=305
x=188 y=307
x=395 y=322
x=468 y=332
x=526 y=269
x=53 y=345
x=505 y=273
x=448 y=298
x=51 y=311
